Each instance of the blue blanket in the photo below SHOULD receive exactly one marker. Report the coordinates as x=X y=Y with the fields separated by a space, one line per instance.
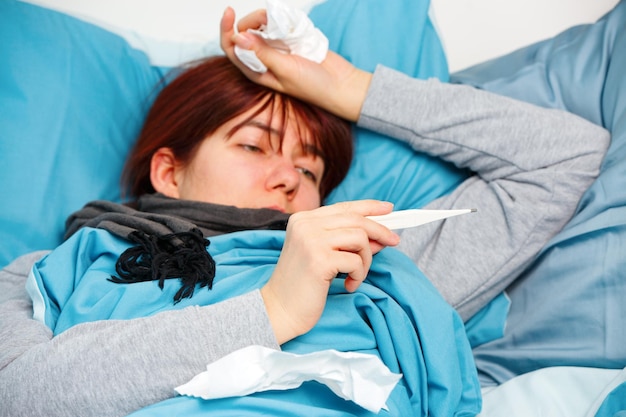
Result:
x=396 y=314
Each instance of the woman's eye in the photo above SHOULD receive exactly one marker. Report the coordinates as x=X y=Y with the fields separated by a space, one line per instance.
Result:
x=310 y=175
x=251 y=148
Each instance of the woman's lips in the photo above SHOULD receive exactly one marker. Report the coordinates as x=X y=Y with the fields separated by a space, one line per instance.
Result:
x=277 y=208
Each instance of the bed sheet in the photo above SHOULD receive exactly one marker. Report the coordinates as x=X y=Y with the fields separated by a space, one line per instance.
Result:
x=555 y=392
x=569 y=307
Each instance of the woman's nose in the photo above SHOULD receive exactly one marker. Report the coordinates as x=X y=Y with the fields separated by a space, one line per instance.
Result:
x=284 y=177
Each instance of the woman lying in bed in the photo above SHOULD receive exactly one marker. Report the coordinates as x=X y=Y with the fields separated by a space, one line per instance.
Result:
x=531 y=165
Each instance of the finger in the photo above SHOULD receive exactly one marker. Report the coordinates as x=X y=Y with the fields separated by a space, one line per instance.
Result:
x=227 y=36
x=376 y=232
x=351 y=265
x=339 y=217
x=352 y=251
x=253 y=20
x=359 y=208
x=227 y=29
x=376 y=246
x=362 y=207
x=379 y=235
x=227 y=43
x=273 y=59
x=348 y=239
x=351 y=284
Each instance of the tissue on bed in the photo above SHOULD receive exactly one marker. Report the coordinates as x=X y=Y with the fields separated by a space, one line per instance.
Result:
x=288 y=30
x=357 y=377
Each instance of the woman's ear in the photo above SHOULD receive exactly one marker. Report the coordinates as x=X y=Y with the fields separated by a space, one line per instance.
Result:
x=163 y=172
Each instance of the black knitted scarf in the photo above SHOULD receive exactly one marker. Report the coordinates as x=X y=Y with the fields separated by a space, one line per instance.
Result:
x=170 y=236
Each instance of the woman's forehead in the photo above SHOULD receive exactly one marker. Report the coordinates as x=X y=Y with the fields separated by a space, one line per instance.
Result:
x=280 y=119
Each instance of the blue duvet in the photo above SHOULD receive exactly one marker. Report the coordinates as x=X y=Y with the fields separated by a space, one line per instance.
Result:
x=396 y=314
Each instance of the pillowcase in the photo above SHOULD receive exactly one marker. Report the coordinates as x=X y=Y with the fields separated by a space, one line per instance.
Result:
x=569 y=307
x=73 y=97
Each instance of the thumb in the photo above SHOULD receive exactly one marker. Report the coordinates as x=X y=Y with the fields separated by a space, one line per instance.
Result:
x=277 y=62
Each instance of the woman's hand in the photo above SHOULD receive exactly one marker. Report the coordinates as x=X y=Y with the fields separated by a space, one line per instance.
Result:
x=320 y=244
x=335 y=84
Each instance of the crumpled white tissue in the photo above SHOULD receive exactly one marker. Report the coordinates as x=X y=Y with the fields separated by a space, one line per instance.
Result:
x=288 y=30
x=358 y=377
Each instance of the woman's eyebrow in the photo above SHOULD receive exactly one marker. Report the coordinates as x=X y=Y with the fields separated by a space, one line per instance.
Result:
x=263 y=126
x=311 y=149
x=308 y=148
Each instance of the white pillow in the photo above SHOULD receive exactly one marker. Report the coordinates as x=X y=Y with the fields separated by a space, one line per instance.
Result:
x=169 y=32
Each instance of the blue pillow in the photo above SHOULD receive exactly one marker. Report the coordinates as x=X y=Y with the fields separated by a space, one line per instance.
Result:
x=72 y=98
x=569 y=307
x=398 y=34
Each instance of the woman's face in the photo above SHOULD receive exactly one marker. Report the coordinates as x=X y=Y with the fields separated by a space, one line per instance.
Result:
x=250 y=169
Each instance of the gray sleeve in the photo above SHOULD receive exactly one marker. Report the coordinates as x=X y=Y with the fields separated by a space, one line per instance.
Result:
x=531 y=167
x=111 y=368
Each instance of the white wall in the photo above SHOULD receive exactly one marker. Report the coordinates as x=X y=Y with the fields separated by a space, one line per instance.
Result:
x=472 y=30
x=476 y=30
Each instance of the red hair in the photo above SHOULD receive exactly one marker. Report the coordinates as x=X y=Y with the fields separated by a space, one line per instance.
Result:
x=207 y=95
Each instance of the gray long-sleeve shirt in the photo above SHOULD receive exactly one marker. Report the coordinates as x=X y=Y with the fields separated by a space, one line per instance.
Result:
x=532 y=167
